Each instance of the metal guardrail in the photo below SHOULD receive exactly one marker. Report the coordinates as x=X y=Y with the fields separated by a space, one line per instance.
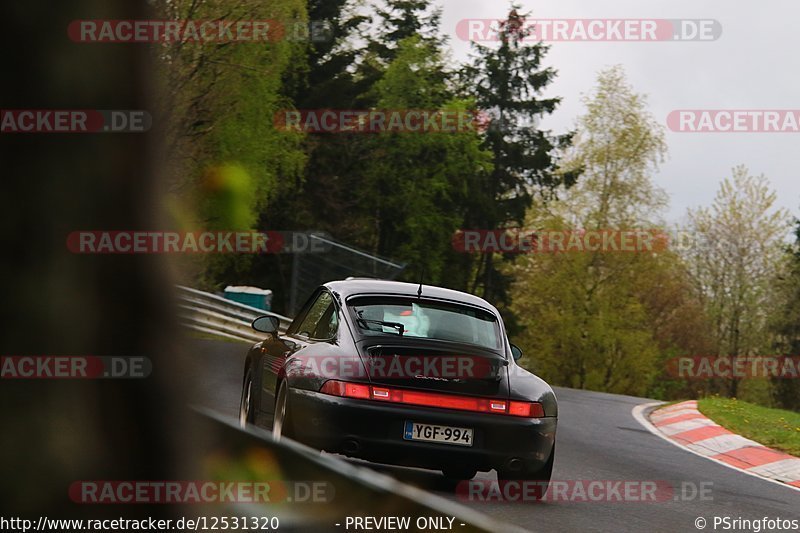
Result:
x=346 y=490
x=209 y=313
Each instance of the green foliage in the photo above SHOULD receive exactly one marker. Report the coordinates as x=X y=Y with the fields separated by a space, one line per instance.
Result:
x=401 y=19
x=327 y=79
x=418 y=182
x=735 y=261
x=785 y=321
x=226 y=198
x=218 y=99
x=506 y=82
x=583 y=331
x=618 y=145
x=591 y=319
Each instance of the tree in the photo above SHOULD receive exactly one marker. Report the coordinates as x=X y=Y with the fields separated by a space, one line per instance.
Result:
x=618 y=145
x=738 y=243
x=506 y=82
x=321 y=196
x=329 y=80
x=226 y=159
x=588 y=316
x=415 y=183
x=96 y=304
x=401 y=19
x=786 y=322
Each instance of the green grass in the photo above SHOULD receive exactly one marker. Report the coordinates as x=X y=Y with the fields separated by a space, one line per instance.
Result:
x=775 y=428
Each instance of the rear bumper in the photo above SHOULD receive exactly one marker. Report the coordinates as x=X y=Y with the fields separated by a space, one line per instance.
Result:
x=373 y=431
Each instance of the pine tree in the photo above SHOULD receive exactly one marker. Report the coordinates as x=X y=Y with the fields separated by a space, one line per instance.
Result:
x=506 y=82
x=328 y=80
x=401 y=19
x=322 y=198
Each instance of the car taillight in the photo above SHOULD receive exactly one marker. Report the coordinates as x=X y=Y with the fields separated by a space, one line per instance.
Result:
x=433 y=399
x=344 y=389
x=526 y=409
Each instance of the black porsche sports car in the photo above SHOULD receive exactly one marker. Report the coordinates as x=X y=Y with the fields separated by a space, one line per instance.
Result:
x=402 y=374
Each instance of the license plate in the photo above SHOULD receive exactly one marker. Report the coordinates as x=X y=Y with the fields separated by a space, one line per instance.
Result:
x=434 y=433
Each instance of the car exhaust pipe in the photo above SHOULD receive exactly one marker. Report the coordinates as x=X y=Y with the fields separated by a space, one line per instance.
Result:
x=351 y=446
x=514 y=465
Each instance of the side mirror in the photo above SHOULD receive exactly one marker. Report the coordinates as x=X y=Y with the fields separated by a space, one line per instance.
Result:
x=516 y=351
x=266 y=324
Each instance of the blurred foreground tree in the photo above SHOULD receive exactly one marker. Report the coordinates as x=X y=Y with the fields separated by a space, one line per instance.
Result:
x=58 y=431
x=227 y=159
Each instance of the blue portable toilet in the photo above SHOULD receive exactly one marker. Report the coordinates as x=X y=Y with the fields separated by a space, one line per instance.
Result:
x=252 y=296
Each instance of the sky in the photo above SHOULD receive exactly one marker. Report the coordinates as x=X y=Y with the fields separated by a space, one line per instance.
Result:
x=752 y=65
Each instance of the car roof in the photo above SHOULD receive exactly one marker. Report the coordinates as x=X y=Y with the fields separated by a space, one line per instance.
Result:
x=364 y=286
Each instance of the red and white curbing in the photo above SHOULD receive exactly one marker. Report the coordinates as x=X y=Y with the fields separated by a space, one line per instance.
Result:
x=683 y=424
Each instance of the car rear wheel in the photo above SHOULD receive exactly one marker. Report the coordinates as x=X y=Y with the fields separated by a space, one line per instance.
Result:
x=539 y=478
x=246 y=411
x=281 y=423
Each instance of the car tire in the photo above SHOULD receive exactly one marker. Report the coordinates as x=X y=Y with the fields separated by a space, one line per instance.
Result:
x=541 y=477
x=247 y=413
x=281 y=421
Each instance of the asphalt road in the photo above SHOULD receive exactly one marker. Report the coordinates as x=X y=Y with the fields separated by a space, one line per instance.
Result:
x=598 y=439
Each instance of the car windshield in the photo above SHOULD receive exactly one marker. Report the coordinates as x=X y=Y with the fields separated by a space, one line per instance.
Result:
x=425 y=319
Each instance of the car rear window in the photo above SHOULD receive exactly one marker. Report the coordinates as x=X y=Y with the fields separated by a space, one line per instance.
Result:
x=426 y=319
